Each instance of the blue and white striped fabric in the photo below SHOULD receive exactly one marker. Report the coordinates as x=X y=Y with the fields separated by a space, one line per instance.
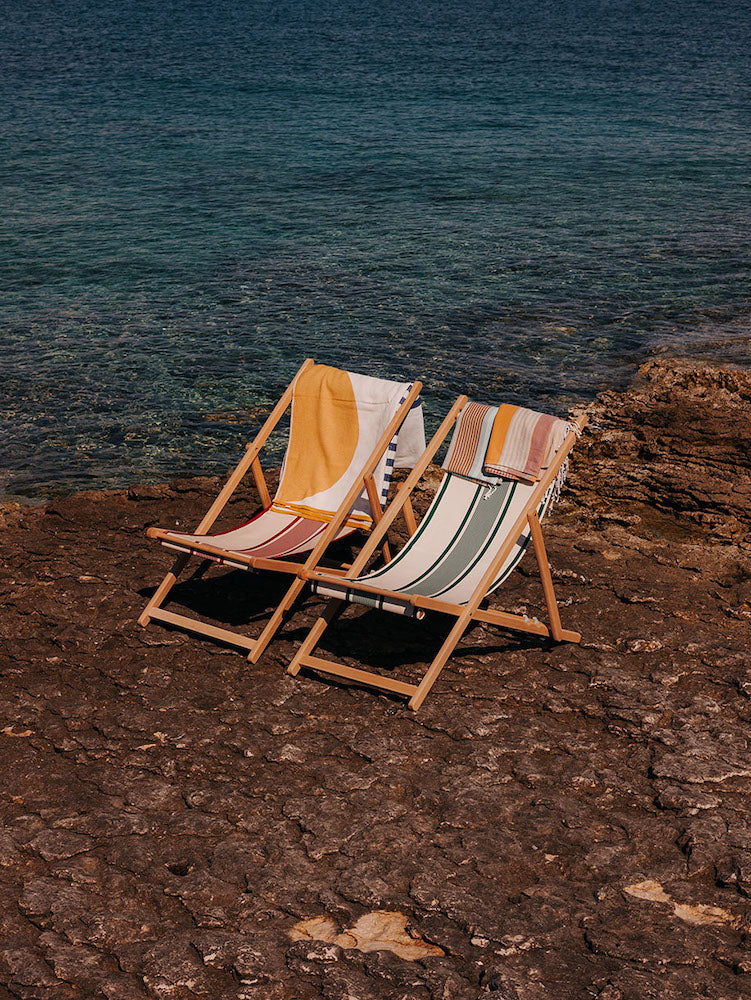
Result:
x=413 y=445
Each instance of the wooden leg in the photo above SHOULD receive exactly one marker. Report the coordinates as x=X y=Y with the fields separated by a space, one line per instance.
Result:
x=439 y=662
x=263 y=490
x=254 y=646
x=164 y=588
x=311 y=639
x=276 y=620
x=154 y=610
x=194 y=625
x=377 y=681
x=409 y=517
x=547 y=580
x=377 y=512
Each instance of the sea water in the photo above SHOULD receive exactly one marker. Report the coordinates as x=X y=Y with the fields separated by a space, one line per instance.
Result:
x=519 y=200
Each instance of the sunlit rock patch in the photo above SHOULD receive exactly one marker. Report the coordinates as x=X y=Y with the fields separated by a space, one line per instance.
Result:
x=691 y=913
x=380 y=930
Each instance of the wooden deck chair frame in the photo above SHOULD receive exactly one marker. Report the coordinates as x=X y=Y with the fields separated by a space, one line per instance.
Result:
x=251 y=460
x=464 y=613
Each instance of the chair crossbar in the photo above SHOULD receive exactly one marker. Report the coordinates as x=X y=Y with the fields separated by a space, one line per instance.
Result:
x=362 y=676
x=194 y=625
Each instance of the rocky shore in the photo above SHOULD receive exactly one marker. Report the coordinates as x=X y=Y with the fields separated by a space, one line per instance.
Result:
x=556 y=822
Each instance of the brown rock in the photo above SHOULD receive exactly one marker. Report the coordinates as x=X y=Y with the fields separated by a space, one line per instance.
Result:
x=170 y=811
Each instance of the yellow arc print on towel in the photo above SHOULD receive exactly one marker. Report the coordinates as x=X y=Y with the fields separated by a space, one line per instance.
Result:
x=323 y=434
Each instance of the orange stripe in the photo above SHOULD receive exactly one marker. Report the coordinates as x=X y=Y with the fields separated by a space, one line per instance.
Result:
x=498 y=435
x=323 y=434
x=355 y=520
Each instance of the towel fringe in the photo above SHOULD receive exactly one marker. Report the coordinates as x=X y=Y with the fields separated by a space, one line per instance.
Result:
x=559 y=480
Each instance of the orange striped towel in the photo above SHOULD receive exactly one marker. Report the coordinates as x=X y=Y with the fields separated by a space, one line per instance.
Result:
x=523 y=443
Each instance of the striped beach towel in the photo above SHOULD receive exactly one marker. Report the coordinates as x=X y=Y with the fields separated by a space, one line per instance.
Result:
x=523 y=443
x=491 y=443
x=469 y=442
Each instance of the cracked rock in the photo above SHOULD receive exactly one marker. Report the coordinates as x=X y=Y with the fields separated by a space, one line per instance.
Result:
x=558 y=821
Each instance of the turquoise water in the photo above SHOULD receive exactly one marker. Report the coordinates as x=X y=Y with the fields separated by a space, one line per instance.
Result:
x=518 y=200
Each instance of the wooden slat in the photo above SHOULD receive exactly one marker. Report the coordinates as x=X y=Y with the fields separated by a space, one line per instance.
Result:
x=193 y=625
x=409 y=517
x=263 y=490
x=377 y=511
x=547 y=580
x=275 y=565
x=504 y=619
x=361 y=676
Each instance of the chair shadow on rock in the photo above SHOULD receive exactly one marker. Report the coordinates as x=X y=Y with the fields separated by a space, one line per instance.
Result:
x=407 y=646
x=227 y=596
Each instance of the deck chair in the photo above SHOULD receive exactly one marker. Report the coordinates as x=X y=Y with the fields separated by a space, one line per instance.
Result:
x=347 y=433
x=468 y=542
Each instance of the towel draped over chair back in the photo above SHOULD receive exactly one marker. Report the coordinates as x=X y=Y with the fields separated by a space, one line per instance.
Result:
x=491 y=443
x=337 y=419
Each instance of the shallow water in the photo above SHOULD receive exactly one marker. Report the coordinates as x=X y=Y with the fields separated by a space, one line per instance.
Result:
x=517 y=200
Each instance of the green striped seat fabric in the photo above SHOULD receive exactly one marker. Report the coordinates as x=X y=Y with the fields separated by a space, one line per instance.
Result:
x=450 y=552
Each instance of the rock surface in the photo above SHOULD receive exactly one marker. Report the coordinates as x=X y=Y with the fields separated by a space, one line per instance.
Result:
x=557 y=822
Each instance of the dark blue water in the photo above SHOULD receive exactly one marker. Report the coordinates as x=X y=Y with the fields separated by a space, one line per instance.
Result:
x=518 y=199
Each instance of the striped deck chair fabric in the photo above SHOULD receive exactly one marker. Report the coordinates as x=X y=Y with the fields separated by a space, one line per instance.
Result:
x=337 y=418
x=268 y=535
x=452 y=548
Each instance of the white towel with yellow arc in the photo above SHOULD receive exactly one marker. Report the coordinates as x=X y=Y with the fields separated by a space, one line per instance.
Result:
x=337 y=420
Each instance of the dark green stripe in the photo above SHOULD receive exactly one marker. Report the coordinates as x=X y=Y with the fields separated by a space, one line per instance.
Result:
x=423 y=525
x=473 y=506
x=490 y=538
x=522 y=549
